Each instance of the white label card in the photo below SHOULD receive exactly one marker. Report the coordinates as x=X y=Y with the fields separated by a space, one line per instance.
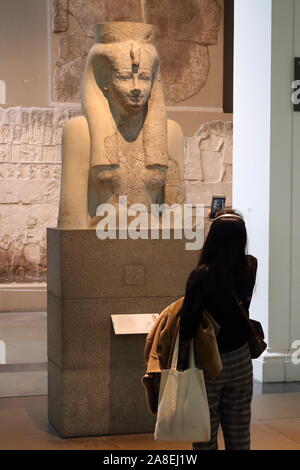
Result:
x=135 y=323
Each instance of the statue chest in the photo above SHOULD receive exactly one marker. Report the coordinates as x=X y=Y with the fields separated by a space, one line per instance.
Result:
x=133 y=179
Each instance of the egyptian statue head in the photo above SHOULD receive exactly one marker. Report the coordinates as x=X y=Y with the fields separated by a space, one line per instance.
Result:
x=123 y=144
x=122 y=78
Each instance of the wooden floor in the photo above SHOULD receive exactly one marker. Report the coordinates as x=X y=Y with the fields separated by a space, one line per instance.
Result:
x=23 y=425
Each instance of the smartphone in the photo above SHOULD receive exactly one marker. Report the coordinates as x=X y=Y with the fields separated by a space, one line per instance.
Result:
x=217 y=204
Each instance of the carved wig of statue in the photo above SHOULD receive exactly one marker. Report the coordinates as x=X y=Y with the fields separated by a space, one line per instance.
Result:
x=123 y=144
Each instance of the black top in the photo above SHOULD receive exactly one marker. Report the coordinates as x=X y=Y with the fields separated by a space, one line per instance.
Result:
x=233 y=332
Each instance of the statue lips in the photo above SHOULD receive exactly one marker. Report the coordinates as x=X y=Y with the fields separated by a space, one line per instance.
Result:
x=135 y=101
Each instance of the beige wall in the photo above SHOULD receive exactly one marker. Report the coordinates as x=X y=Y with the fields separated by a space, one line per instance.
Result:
x=24 y=51
x=29 y=51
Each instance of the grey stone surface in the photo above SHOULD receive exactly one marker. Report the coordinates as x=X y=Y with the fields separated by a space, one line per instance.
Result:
x=90 y=403
x=54 y=262
x=134 y=274
x=92 y=268
x=78 y=401
x=127 y=403
x=95 y=375
x=54 y=329
x=79 y=331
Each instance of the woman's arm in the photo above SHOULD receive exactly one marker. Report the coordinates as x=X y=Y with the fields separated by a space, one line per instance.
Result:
x=253 y=269
x=253 y=264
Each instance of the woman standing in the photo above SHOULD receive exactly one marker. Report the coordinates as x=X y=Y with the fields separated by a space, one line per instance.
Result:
x=224 y=276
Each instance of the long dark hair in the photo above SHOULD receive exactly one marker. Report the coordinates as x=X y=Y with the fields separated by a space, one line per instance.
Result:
x=224 y=256
x=223 y=272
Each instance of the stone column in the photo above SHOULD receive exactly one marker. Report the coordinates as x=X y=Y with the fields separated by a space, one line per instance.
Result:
x=266 y=171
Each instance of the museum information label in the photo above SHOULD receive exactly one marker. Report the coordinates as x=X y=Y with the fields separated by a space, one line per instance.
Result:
x=135 y=323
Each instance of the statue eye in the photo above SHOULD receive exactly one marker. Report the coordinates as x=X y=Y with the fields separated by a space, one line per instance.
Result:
x=123 y=76
x=145 y=76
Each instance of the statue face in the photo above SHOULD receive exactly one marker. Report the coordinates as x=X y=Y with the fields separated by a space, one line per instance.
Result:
x=130 y=88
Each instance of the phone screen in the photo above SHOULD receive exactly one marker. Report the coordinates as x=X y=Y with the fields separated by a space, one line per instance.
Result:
x=217 y=204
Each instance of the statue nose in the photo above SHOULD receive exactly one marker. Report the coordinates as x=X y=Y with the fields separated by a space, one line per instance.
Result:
x=136 y=92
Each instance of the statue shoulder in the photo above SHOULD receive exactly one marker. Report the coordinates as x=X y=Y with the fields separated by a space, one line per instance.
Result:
x=76 y=127
x=176 y=145
x=175 y=132
x=75 y=138
x=175 y=140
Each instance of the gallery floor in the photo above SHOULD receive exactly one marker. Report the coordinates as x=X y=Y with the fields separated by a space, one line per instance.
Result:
x=23 y=425
x=23 y=419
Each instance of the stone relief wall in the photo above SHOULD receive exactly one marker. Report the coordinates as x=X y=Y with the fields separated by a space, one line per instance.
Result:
x=186 y=29
x=30 y=170
x=208 y=163
x=30 y=167
x=30 y=138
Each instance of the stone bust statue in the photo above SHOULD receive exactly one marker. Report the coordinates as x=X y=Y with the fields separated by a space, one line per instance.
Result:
x=123 y=144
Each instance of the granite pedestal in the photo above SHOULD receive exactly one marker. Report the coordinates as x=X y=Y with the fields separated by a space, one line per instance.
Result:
x=94 y=375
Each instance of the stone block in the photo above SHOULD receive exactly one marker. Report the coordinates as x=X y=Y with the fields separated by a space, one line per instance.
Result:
x=80 y=332
x=54 y=262
x=54 y=329
x=78 y=401
x=93 y=268
x=134 y=274
x=127 y=399
x=86 y=402
x=95 y=375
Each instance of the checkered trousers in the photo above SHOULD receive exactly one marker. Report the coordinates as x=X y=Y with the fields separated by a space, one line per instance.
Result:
x=229 y=397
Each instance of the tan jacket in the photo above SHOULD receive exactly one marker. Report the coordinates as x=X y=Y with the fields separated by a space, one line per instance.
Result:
x=160 y=344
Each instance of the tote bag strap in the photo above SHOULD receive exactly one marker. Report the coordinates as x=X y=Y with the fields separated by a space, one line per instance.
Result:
x=192 y=355
x=175 y=354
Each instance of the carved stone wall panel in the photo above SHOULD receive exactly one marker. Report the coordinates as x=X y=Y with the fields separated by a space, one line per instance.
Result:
x=173 y=16
x=199 y=193
x=30 y=173
x=185 y=32
x=208 y=163
x=60 y=15
x=30 y=181
x=185 y=71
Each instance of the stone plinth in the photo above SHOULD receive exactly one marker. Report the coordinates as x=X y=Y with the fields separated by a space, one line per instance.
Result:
x=94 y=375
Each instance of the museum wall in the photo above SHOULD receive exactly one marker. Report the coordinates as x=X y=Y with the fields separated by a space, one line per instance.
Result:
x=44 y=44
x=266 y=151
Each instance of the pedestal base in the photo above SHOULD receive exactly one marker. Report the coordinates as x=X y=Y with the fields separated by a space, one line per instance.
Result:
x=94 y=376
x=277 y=366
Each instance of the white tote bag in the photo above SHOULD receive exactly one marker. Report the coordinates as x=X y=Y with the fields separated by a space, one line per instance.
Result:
x=183 y=411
